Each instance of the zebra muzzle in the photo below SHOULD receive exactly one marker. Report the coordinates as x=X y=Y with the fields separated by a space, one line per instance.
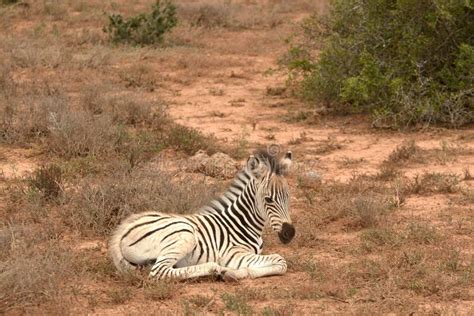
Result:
x=287 y=233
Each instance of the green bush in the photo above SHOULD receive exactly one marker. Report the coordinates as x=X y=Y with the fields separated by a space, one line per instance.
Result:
x=143 y=29
x=407 y=62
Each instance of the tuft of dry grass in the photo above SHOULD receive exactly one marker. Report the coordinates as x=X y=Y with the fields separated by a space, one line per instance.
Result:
x=388 y=172
x=79 y=134
x=34 y=267
x=189 y=140
x=160 y=290
x=138 y=76
x=199 y=300
x=235 y=16
x=434 y=182
x=376 y=237
x=408 y=150
x=422 y=234
x=48 y=181
x=327 y=146
x=285 y=310
x=236 y=304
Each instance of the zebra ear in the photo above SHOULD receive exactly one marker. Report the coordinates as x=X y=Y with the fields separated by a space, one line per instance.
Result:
x=285 y=163
x=255 y=166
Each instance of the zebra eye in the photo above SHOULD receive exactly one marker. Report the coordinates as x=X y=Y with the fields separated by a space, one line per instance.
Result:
x=268 y=199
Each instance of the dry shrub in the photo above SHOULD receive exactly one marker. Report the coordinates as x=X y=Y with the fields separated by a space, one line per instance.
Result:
x=37 y=50
x=120 y=296
x=236 y=303
x=361 y=199
x=410 y=152
x=26 y=118
x=92 y=99
x=153 y=289
x=414 y=234
x=230 y=15
x=7 y=85
x=388 y=172
x=48 y=181
x=33 y=268
x=78 y=133
x=407 y=151
x=139 y=76
x=434 y=182
x=199 y=300
x=327 y=146
x=365 y=270
x=379 y=237
x=283 y=310
x=369 y=208
x=206 y=14
x=422 y=234
x=359 y=203
x=124 y=109
x=96 y=207
x=190 y=140
x=428 y=272
x=160 y=290
x=127 y=110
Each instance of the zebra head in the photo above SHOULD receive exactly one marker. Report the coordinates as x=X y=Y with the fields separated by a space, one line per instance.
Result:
x=272 y=191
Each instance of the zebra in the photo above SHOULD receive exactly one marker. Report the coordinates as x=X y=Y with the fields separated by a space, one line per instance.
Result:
x=224 y=238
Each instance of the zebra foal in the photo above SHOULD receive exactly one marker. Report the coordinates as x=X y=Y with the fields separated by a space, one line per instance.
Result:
x=223 y=238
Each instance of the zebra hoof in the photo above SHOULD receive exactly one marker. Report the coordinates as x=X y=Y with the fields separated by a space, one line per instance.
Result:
x=233 y=275
x=229 y=276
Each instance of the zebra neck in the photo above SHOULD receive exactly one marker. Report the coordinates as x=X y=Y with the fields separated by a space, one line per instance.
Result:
x=238 y=203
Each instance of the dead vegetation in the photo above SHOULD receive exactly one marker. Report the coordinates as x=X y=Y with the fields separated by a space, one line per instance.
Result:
x=33 y=267
x=410 y=153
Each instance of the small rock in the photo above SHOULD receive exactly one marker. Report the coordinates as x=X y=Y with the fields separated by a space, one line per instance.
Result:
x=219 y=165
x=197 y=163
x=309 y=179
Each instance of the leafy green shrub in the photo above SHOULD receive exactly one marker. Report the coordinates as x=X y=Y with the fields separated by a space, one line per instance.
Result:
x=406 y=62
x=143 y=29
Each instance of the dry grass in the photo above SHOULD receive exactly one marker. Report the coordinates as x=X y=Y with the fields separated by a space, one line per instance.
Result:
x=327 y=146
x=96 y=207
x=34 y=266
x=410 y=153
x=48 y=181
x=405 y=152
x=79 y=134
x=235 y=16
x=434 y=182
x=362 y=201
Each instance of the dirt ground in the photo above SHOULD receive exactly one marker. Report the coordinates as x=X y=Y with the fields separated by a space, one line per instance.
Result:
x=225 y=81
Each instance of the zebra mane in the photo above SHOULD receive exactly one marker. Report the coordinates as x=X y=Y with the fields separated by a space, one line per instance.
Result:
x=272 y=160
x=222 y=201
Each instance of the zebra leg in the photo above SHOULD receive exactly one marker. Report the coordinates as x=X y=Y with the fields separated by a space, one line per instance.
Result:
x=247 y=265
x=163 y=270
x=163 y=267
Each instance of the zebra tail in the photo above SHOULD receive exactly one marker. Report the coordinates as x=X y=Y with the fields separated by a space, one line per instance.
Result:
x=115 y=246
